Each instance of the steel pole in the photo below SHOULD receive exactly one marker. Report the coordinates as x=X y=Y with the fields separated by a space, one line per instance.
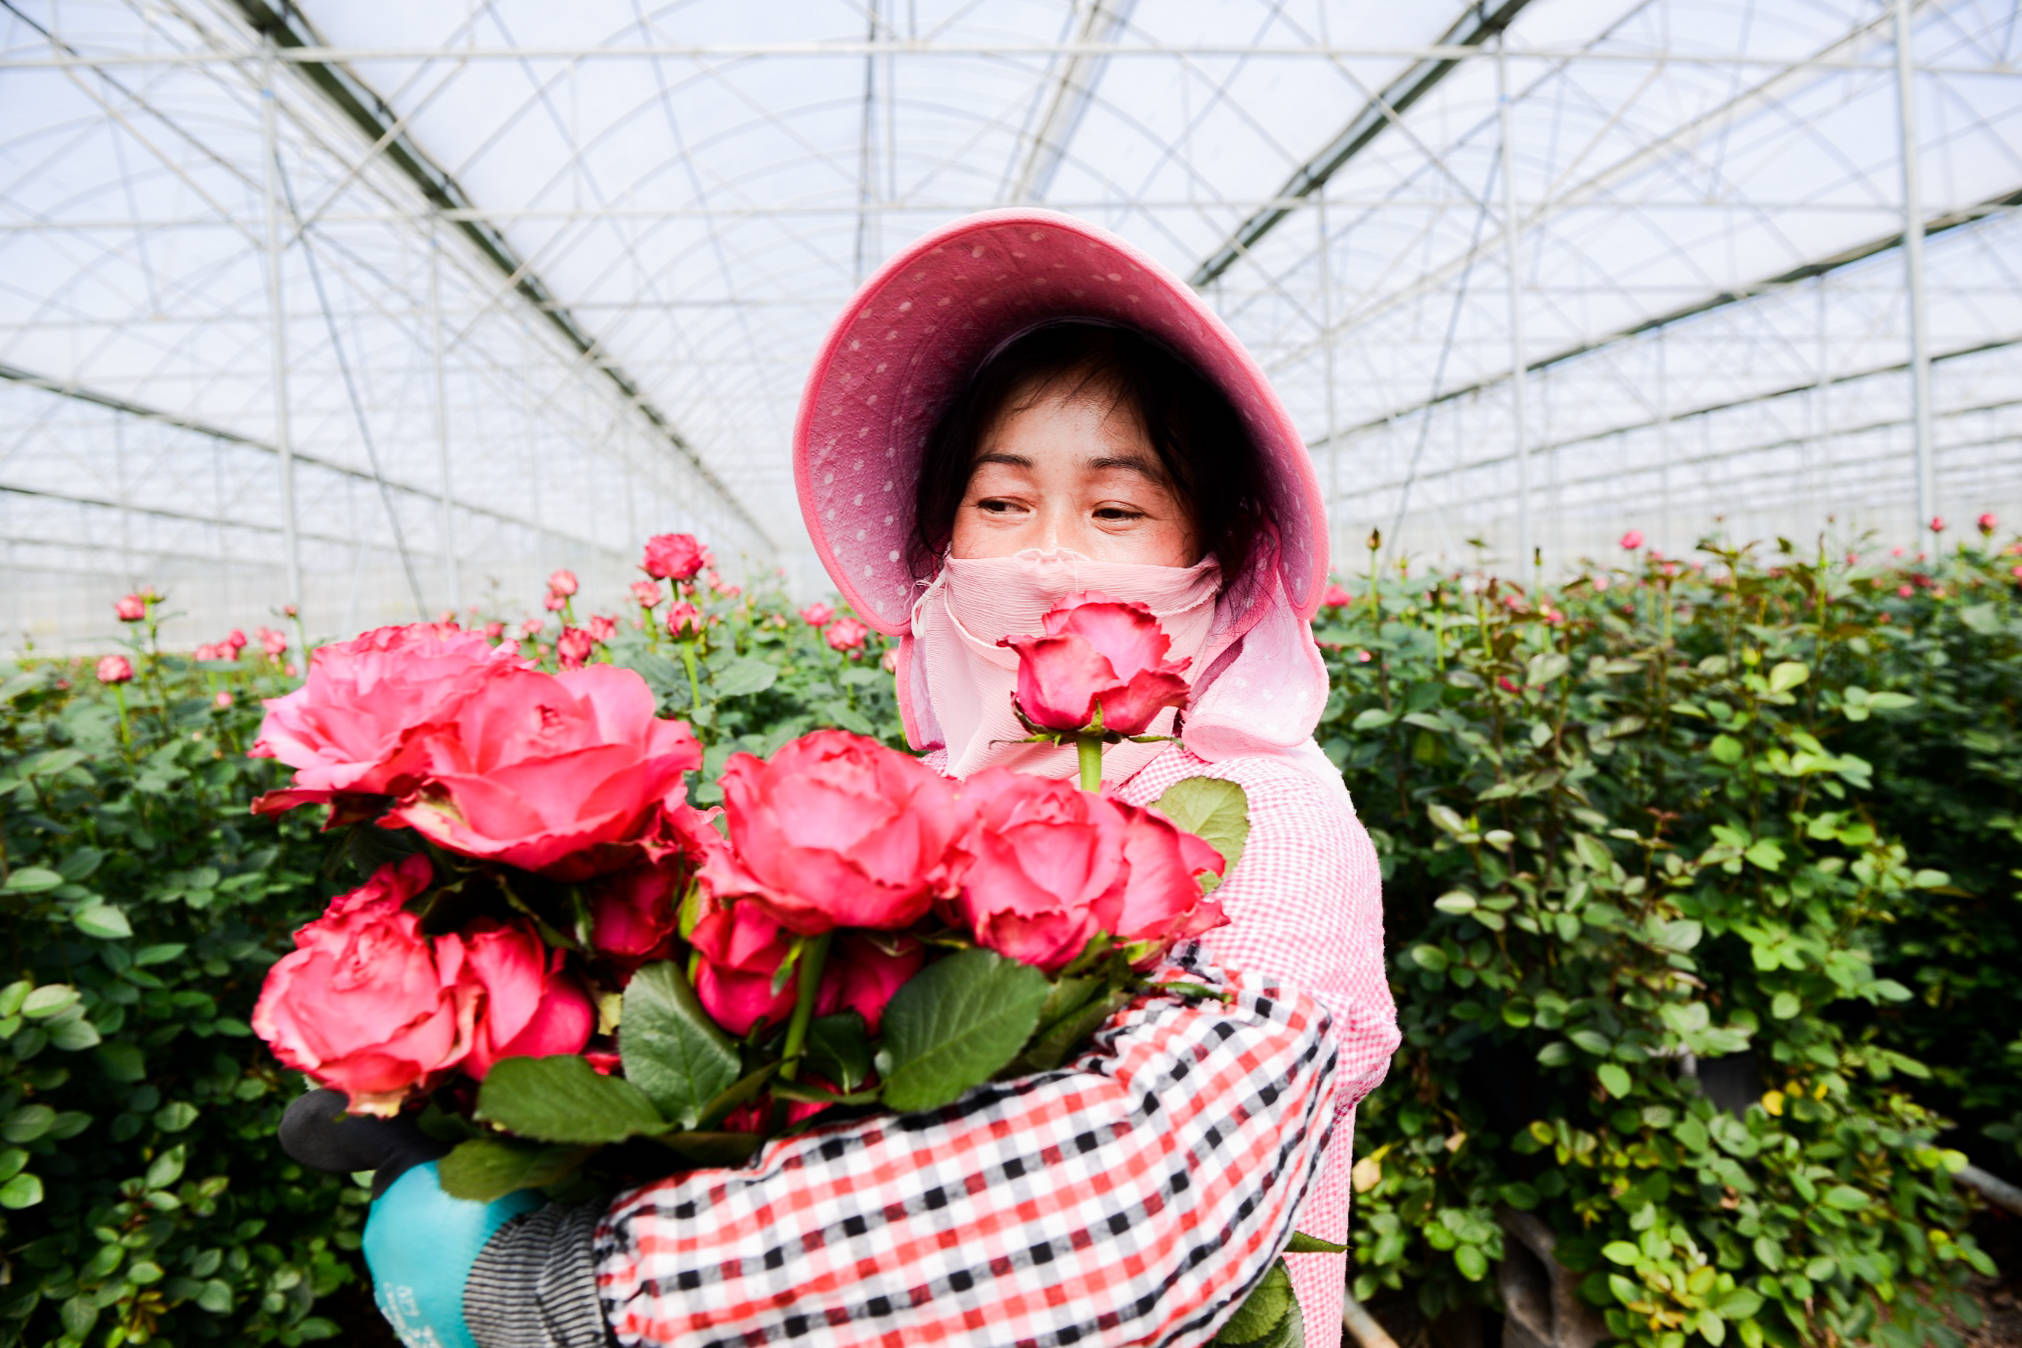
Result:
x=278 y=348
x=1516 y=327
x=451 y=575
x=1327 y=356
x=1913 y=266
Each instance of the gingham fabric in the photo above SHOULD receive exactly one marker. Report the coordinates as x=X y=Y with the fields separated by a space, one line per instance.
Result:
x=1305 y=906
x=1134 y=1196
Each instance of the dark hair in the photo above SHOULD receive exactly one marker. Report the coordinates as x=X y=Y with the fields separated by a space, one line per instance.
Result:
x=1197 y=433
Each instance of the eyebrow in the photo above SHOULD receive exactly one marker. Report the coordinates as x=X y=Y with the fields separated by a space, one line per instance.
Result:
x=1136 y=463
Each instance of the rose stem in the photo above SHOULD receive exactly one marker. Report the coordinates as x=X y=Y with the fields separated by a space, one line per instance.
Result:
x=1090 y=749
x=812 y=957
x=694 y=683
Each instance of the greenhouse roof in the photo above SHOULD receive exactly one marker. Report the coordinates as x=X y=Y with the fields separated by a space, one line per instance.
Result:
x=509 y=286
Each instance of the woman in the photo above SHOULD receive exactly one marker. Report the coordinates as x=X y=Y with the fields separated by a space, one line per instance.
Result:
x=1018 y=408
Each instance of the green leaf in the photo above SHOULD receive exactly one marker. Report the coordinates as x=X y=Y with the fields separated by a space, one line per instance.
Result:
x=72 y=1035
x=1787 y=675
x=742 y=677
x=23 y=1191
x=672 y=1050
x=1429 y=957
x=564 y=1099
x=1844 y=1197
x=1621 y=1252
x=31 y=880
x=1267 y=1305
x=1614 y=1079
x=838 y=1049
x=158 y=954
x=1371 y=718
x=1469 y=1259
x=1217 y=811
x=1785 y=1005
x=48 y=999
x=104 y=921
x=1455 y=901
x=1725 y=749
x=1544 y=667
x=1301 y=1243
x=122 y=1061
x=955 y=1023
x=166 y=1168
x=484 y=1169
x=28 y=1123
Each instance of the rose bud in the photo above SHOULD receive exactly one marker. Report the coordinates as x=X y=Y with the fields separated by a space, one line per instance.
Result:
x=817 y=615
x=115 y=669
x=366 y=1003
x=646 y=592
x=684 y=620
x=563 y=583
x=835 y=830
x=130 y=608
x=1336 y=597
x=1097 y=654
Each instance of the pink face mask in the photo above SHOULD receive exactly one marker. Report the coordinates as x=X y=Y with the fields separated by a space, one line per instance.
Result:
x=968 y=679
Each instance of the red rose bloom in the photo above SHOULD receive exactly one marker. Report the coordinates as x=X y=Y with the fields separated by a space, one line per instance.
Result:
x=674 y=556
x=834 y=831
x=1097 y=653
x=365 y=1002
x=530 y=1010
x=567 y=774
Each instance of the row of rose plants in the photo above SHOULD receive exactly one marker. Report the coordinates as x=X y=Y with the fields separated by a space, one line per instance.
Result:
x=1701 y=891
x=1625 y=840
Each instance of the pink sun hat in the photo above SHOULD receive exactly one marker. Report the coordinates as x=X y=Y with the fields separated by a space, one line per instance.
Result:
x=918 y=330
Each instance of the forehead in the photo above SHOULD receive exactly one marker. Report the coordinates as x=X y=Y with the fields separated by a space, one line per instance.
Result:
x=1069 y=411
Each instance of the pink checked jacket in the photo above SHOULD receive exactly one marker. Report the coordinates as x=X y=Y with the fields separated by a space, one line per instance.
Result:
x=1132 y=1197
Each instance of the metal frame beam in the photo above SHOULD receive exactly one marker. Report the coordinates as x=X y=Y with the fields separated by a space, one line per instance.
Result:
x=292 y=36
x=1474 y=28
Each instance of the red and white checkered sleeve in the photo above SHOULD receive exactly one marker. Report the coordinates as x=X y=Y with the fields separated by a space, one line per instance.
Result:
x=1134 y=1196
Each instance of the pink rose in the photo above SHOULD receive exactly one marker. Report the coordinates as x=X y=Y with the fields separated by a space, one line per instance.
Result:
x=674 y=556
x=634 y=912
x=494 y=631
x=889 y=661
x=554 y=603
x=1987 y=524
x=846 y=634
x=115 y=669
x=834 y=831
x=1632 y=540
x=205 y=653
x=346 y=729
x=817 y=615
x=562 y=583
x=684 y=620
x=275 y=644
x=573 y=647
x=1041 y=864
x=1162 y=900
x=130 y=608
x=1336 y=597
x=600 y=627
x=739 y=949
x=1937 y=525
x=365 y=1002
x=566 y=774
x=646 y=592
x=223 y=701
x=236 y=640
x=1097 y=657
x=530 y=1009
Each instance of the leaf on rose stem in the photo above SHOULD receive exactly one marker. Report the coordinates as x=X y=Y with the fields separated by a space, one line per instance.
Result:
x=739 y=678
x=1262 y=1316
x=564 y=1099
x=1301 y=1243
x=671 y=1049
x=953 y=1024
x=838 y=1049
x=1060 y=1035
x=1216 y=811
x=482 y=1169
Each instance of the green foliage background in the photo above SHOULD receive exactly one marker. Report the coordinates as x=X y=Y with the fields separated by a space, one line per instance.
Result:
x=1756 y=823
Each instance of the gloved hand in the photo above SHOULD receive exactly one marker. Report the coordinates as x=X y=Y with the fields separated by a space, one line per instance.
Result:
x=420 y=1243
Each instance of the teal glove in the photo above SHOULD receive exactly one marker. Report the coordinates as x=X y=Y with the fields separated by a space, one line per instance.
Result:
x=420 y=1244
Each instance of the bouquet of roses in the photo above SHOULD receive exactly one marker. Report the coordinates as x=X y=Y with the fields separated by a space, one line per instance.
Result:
x=560 y=961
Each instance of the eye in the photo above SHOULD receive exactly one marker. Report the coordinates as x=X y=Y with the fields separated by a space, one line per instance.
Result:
x=1117 y=514
x=994 y=505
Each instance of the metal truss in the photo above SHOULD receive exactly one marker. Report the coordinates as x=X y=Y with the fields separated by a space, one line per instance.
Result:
x=385 y=312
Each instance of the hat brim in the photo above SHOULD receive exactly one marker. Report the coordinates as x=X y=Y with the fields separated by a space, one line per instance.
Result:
x=916 y=332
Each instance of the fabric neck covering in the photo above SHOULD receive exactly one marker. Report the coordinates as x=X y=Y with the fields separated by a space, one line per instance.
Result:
x=968 y=679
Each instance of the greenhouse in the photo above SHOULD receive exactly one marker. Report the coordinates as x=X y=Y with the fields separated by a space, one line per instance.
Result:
x=1649 y=375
